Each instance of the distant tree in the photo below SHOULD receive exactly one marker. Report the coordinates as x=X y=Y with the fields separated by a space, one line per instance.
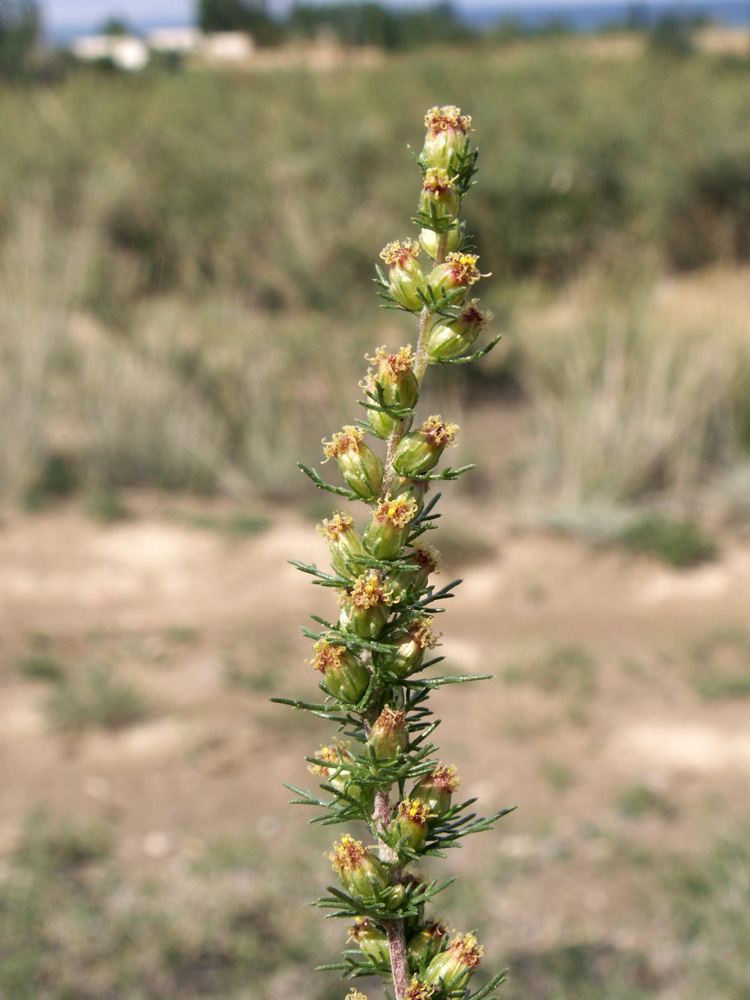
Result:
x=116 y=26
x=369 y=23
x=19 y=33
x=250 y=16
x=673 y=35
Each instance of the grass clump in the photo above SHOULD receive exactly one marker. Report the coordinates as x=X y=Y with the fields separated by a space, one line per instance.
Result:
x=678 y=543
x=95 y=699
x=721 y=665
x=640 y=800
x=567 y=669
x=39 y=667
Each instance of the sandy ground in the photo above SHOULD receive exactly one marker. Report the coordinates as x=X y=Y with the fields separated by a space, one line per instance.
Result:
x=178 y=609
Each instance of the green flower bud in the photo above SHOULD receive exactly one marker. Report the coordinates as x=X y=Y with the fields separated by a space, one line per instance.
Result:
x=344 y=543
x=372 y=940
x=410 y=487
x=439 y=195
x=405 y=276
x=407 y=650
x=344 y=676
x=333 y=772
x=364 y=607
x=426 y=943
x=395 y=897
x=458 y=273
x=452 y=969
x=394 y=376
x=360 y=467
x=420 y=451
x=407 y=582
x=430 y=240
x=447 y=131
x=388 y=734
x=360 y=871
x=388 y=530
x=436 y=788
x=412 y=821
x=450 y=338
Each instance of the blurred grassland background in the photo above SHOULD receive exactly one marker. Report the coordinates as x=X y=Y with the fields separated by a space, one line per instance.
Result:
x=185 y=301
x=184 y=256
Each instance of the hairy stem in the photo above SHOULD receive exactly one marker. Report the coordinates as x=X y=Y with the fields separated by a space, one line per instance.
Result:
x=399 y=962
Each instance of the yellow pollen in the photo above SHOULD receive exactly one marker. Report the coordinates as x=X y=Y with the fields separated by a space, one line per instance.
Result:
x=399 y=511
x=438 y=432
x=445 y=118
x=463 y=268
x=415 y=810
x=355 y=995
x=399 y=254
x=338 y=525
x=437 y=180
x=347 y=854
x=368 y=591
x=348 y=439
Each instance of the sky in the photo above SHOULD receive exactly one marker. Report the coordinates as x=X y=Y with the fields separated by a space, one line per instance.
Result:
x=66 y=15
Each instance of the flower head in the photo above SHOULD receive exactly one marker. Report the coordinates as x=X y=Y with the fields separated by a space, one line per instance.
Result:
x=398 y=254
x=427 y=557
x=339 y=524
x=397 y=511
x=368 y=591
x=343 y=442
x=419 y=991
x=437 y=432
x=448 y=118
x=332 y=757
x=463 y=269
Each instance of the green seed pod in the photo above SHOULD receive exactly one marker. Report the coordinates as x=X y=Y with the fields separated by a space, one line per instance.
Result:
x=420 y=451
x=457 y=274
x=388 y=530
x=426 y=943
x=344 y=543
x=412 y=821
x=364 y=607
x=388 y=734
x=439 y=198
x=452 y=969
x=430 y=240
x=344 y=676
x=447 y=131
x=436 y=788
x=372 y=940
x=449 y=338
x=360 y=467
x=361 y=873
x=407 y=650
x=405 y=277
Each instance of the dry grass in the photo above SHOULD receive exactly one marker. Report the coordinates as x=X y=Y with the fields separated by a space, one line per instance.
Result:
x=637 y=394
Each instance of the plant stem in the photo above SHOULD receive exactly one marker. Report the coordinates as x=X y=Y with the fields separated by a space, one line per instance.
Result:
x=399 y=963
x=381 y=814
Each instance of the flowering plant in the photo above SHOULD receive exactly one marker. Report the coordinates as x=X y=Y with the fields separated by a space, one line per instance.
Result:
x=373 y=658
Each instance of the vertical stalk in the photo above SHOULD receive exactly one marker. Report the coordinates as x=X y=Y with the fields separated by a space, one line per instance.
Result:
x=381 y=813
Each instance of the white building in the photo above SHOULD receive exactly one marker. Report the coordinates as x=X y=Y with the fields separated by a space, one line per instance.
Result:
x=183 y=41
x=125 y=51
